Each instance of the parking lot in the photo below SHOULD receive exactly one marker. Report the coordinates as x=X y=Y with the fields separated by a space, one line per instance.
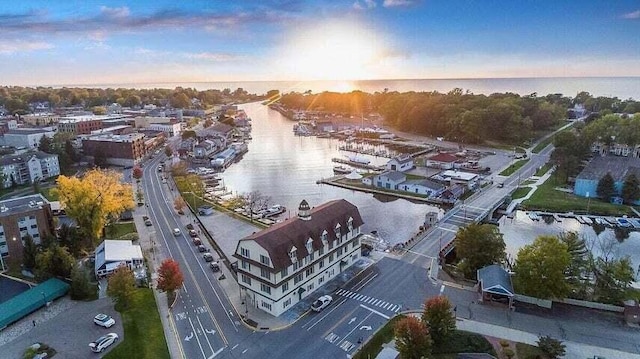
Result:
x=66 y=325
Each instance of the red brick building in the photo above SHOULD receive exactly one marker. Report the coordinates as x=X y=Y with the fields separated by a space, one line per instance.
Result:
x=120 y=150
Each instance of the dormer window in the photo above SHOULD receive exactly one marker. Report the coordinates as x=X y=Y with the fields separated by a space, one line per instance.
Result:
x=350 y=224
x=324 y=237
x=337 y=230
x=309 y=246
x=293 y=254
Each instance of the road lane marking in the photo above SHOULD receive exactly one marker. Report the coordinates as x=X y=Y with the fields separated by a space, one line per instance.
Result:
x=375 y=311
x=205 y=335
x=324 y=316
x=197 y=339
x=359 y=324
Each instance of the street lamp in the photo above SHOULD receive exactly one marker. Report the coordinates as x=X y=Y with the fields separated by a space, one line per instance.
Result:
x=588 y=202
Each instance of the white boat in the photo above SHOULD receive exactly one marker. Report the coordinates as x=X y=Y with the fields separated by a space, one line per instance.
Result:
x=534 y=216
x=356 y=159
x=587 y=220
x=274 y=210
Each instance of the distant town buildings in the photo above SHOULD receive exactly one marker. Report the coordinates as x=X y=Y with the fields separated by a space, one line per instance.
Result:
x=27 y=137
x=22 y=217
x=283 y=264
x=120 y=150
x=28 y=167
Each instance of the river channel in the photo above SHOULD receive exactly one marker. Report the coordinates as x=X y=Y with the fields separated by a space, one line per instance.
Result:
x=286 y=168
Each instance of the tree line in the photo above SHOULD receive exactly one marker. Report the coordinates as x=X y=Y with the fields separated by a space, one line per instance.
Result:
x=17 y=99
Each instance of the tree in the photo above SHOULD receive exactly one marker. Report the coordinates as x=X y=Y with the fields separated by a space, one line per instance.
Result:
x=553 y=348
x=168 y=151
x=179 y=169
x=440 y=319
x=137 y=172
x=45 y=144
x=29 y=253
x=121 y=286
x=631 y=189
x=578 y=268
x=54 y=261
x=169 y=276
x=81 y=287
x=179 y=203
x=70 y=151
x=100 y=159
x=180 y=100
x=188 y=134
x=606 y=189
x=412 y=338
x=94 y=198
x=477 y=246
x=255 y=201
x=613 y=279
x=540 y=269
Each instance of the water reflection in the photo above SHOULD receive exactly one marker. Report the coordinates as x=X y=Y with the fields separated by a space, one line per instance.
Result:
x=286 y=167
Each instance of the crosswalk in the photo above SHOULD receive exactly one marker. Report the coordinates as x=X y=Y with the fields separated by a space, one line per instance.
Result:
x=369 y=300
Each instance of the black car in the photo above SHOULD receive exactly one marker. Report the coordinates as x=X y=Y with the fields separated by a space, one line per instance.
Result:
x=207 y=257
x=202 y=248
x=215 y=266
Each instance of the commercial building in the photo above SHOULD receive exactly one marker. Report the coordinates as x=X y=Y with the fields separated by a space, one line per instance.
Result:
x=442 y=160
x=619 y=168
x=79 y=125
x=28 y=167
x=27 y=137
x=19 y=217
x=400 y=163
x=40 y=119
x=111 y=254
x=119 y=150
x=171 y=129
x=283 y=264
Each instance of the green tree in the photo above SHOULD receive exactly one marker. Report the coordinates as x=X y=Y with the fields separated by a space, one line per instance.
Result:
x=553 y=348
x=412 y=339
x=180 y=100
x=29 y=253
x=440 y=319
x=45 y=144
x=188 y=134
x=81 y=287
x=606 y=189
x=613 y=279
x=631 y=189
x=540 y=269
x=578 y=268
x=54 y=261
x=477 y=246
x=121 y=287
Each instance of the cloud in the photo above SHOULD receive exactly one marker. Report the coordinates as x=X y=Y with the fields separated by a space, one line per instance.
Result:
x=632 y=15
x=115 y=12
x=398 y=3
x=212 y=56
x=364 y=4
x=14 y=46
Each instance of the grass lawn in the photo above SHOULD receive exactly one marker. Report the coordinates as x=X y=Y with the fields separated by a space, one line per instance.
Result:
x=546 y=198
x=542 y=170
x=374 y=346
x=526 y=351
x=49 y=194
x=118 y=230
x=514 y=167
x=143 y=333
x=520 y=192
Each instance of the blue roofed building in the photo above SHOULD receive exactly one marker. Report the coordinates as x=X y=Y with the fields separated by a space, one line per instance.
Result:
x=495 y=285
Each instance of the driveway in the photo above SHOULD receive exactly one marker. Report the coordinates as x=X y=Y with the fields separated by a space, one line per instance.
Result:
x=66 y=325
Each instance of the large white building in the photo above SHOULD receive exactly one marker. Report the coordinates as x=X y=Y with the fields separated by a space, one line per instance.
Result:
x=28 y=167
x=171 y=129
x=111 y=254
x=281 y=265
x=26 y=138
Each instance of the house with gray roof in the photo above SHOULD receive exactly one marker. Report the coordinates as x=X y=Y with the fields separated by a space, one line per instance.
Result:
x=389 y=179
x=495 y=284
x=423 y=187
x=400 y=163
x=619 y=167
x=285 y=263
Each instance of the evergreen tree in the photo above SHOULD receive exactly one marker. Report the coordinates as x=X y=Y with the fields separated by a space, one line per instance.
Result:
x=29 y=253
x=81 y=287
x=45 y=144
x=631 y=189
x=606 y=189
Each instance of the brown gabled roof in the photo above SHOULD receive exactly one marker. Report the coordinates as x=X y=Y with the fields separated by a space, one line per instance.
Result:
x=443 y=157
x=278 y=239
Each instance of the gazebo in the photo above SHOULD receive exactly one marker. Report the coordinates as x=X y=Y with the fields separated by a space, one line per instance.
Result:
x=353 y=175
x=494 y=284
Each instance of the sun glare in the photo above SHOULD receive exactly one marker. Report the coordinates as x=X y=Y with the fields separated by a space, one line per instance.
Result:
x=332 y=52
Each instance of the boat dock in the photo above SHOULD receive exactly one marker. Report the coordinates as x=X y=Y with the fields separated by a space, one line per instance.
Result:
x=358 y=164
x=607 y=221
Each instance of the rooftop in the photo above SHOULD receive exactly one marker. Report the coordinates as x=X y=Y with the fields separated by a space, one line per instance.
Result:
x=22 y=204
x=28 y=131
x=465 y=176
x=496 y=280
x=109 y=137
x=394 y=175
x=443 y=157
x=619 y=167
x=14 y=159
x=116 y=251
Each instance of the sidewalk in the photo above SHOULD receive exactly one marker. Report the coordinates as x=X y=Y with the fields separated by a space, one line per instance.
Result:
x=573 y=350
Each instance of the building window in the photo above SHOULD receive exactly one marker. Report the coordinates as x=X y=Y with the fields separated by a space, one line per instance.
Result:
x=309 y=271
x=265 y=305
x=246 y=265
x=309 y=246
x=264 y=260
x=310 y=287
x=330 y=257
x=285 y=287
x=321 y=264
x=284 y=272
x=293 y=254
x=339 y=251
x=265 y=288
x=298 y=278
x=321 y=252
x=245 y=252
x=23 y=229
x=246 y=279
x=337 y=231
x=321 y=280
x=264 y=273
x=355 y=243
x=323 y=237
x=350 y=224
x=330 y=245
x=286 y=303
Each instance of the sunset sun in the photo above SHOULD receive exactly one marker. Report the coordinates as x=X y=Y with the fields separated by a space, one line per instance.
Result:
x=333 y=52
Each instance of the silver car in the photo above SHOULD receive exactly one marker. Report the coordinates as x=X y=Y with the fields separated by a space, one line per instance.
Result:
x=103 y=342
x=104 y=320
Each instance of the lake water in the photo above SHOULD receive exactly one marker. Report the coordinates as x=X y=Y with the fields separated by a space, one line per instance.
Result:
x=621 y=87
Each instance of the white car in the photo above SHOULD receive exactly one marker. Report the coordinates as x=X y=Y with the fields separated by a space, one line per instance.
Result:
x=104 y=320
x=103 y=342
x=321 y=303
x=176 y=232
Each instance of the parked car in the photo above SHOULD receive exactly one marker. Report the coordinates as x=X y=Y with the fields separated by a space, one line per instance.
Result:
x=193 y=233
x=215 y=266
x=104 y=320
x=180 y=212
x=103 y=342
x=501 y=184
x=321 y=303
x=207 y=257
x=176 y=232
x=189 y=226
x=147 y=221
x=202 y=248
x=197 y=241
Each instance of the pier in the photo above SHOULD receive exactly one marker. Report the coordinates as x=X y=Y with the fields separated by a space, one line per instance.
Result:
x=358 y=164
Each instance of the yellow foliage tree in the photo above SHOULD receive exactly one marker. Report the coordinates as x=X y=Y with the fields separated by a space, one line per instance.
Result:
x=94 y=198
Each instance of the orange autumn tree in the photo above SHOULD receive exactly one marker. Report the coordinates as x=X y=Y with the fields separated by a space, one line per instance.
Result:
x=169 y=276
x=93 y=199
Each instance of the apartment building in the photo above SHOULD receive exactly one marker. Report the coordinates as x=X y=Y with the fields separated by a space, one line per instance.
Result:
x=120 y=150
x=28 y=167
x=27 y=137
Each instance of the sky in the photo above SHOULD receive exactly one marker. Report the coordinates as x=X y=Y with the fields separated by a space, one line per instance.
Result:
x=127 y=42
